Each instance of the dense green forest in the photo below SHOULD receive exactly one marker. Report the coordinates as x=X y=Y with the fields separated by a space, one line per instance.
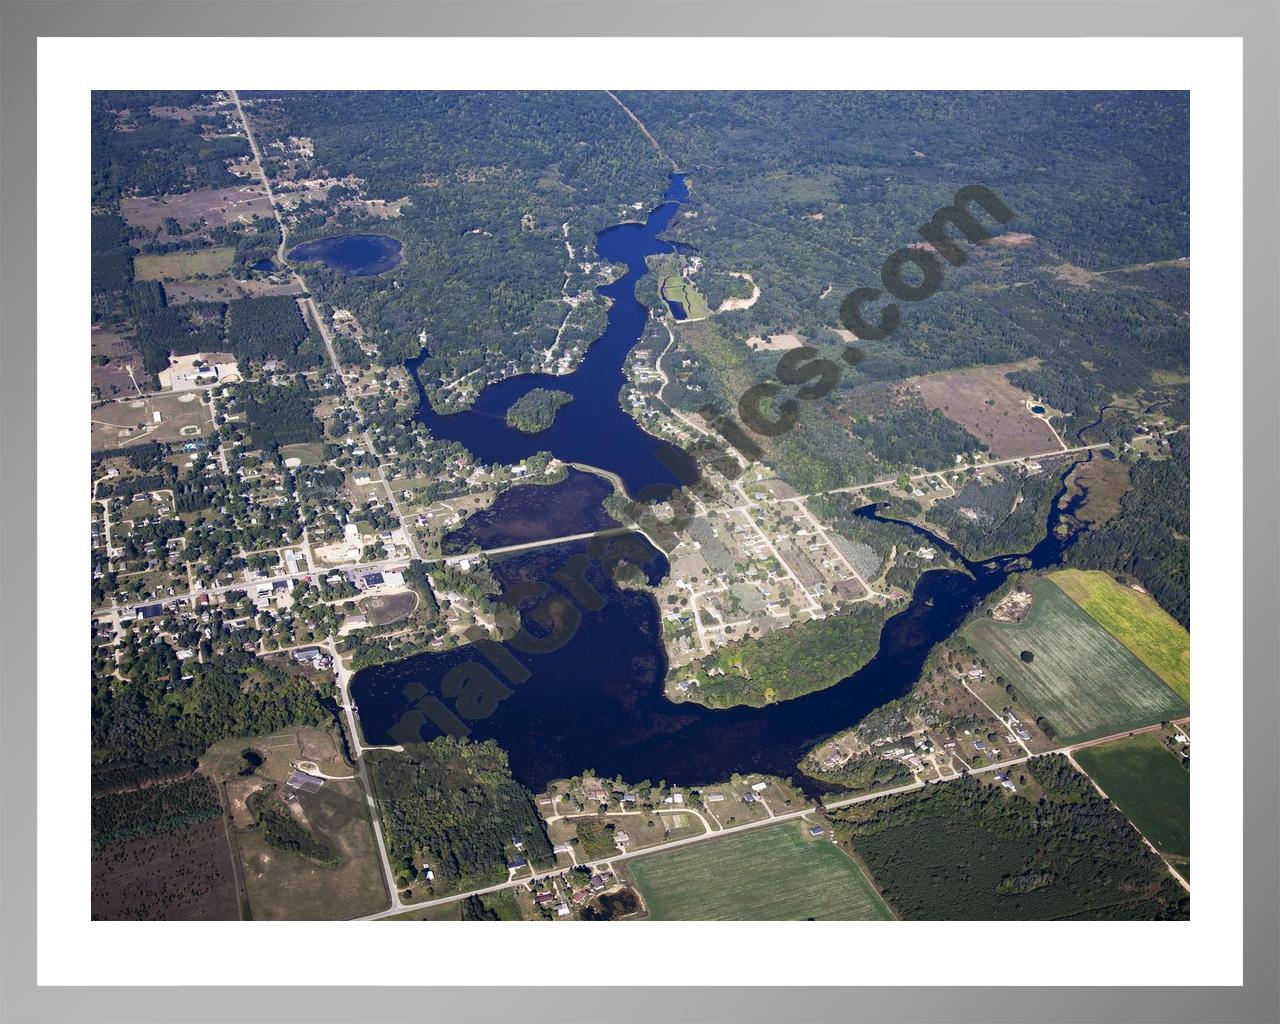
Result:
x=1002 y=513
x=161 y=711
x=1101 y=177
x=1150 y=538
x=138 y=152
x=787 y=663
x=454 y=805
x=279 y=415
x=966 y=850
x=178 y=330
x=272 y=328
x=810 y=206
x=536 y=411
x=492 y=177
x=110 y=261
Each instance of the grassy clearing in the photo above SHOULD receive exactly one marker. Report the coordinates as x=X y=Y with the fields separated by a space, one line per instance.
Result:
x=768 y=874
x=281 y=884
x=1145 y=781
x=673 y=287
x=285 y=886
x=1082 y=680
x=1134 y=619
x=178 y=266
x=1104 y=482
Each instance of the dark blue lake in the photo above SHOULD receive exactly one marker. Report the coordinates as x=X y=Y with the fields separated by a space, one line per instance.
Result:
x=353 y=255
x=597 y=701
x=593 y=428
x=531 y=513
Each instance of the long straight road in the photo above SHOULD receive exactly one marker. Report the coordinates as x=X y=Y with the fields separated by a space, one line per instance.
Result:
x=344 y=679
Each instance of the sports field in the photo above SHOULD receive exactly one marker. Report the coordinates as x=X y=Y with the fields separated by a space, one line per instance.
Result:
x=1134 y=619
x=767 y=874
x=1148 y=784
x=1083 y=680
x=311 y=454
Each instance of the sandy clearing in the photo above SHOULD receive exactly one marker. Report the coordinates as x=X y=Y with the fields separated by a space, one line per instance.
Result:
x=730 y=304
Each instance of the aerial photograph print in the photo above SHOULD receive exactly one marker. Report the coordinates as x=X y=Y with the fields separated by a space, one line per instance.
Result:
x=640 y=506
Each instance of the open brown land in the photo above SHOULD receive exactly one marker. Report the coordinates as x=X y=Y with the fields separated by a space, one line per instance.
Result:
x=224 y=289
x=204 y=206
x=775 y=342
x=982 y=400
x=112 y=379
x=1103 y=482
x=185 y=875
x=384 y=609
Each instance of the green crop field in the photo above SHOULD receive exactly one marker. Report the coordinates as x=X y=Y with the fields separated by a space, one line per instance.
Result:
x=1145 y=781
x=1134 y=619
x=768 y=874
x=1082 y=680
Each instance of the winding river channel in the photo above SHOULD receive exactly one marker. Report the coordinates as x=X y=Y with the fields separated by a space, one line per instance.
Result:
x=592 y=429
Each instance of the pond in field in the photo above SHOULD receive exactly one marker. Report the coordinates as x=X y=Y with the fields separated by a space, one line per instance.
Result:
x=353 y=255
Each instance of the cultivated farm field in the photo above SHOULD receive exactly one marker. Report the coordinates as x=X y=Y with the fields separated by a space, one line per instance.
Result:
x=177 y=266
x=1148 y=784
x=1137 y=621
x=767 y=874
x=1083 y=680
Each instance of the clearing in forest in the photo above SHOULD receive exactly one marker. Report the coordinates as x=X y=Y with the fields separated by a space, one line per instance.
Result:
x=983 y=401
